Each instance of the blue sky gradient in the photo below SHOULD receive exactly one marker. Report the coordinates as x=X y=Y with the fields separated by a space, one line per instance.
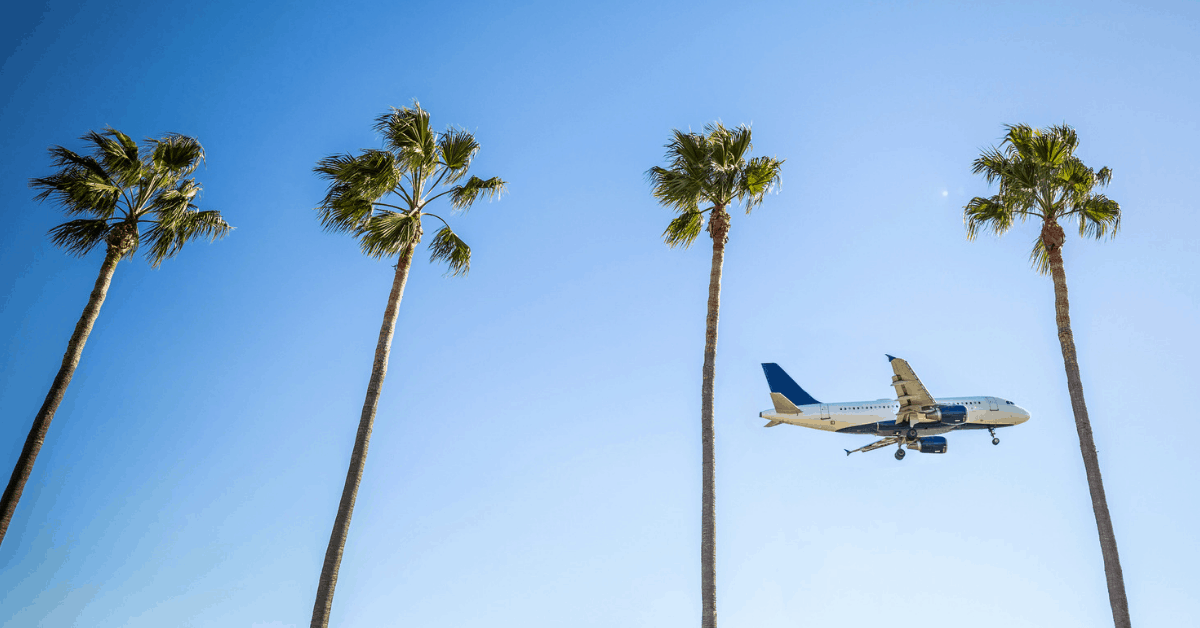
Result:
x=535 y=460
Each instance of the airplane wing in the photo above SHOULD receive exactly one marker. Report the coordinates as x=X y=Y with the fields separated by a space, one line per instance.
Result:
x=910 y=392
x=890 y=440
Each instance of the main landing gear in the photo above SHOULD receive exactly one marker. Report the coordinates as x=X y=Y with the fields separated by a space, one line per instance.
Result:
x=900 y=454
x=912 y=432
x=992 y=431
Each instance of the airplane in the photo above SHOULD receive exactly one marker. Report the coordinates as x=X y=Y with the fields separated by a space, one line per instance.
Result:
x=914 y=419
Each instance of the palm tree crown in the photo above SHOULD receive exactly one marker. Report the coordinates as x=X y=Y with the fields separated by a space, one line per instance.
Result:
x=1040 y=176
x=711 y=169
x=122 y=186
x=416 y=161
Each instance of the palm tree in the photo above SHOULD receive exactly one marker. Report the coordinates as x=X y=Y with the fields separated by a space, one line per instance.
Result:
x=1040 y=177
x=416 y=161
x=710 y=169
x=116 y=190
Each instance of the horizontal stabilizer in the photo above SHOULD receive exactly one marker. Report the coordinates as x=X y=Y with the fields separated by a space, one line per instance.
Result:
x=773 y=423
x=783 y=405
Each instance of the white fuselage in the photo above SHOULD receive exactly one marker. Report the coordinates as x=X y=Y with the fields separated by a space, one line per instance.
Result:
x=982 y=413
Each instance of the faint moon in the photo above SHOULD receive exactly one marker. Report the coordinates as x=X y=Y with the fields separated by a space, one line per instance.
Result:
x=945 y=193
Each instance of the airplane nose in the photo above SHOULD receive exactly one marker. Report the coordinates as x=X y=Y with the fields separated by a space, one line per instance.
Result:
x=1022 y=414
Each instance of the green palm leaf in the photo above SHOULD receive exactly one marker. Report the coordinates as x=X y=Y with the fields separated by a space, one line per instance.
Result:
x=119 y=156
x=389 y=233
x=80 y=236
x=684 y=229
x=463 y=196
x=176 y=154
x=448 y=247
x=457 y=148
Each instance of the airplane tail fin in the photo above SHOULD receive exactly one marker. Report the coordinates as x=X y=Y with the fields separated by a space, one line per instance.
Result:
x=779 y=382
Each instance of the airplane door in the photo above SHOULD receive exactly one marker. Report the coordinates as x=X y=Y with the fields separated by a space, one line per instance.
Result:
x=824 y=411
x=992 y=404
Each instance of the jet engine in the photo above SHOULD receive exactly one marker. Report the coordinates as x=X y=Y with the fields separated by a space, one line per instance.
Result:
x=949 y=415
x=932 y=445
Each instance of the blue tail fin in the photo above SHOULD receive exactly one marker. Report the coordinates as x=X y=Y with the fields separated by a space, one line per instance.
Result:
x=782 y=384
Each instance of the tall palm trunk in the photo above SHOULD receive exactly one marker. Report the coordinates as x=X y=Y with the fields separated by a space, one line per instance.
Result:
x=358 y=457
x=719 y=228
x=41 y=424
x=1052 y=238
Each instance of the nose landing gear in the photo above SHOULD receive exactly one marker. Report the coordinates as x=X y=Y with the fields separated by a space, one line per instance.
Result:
x=992 y=431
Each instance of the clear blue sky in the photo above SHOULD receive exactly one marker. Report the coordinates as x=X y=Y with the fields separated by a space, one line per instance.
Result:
x=535 y=461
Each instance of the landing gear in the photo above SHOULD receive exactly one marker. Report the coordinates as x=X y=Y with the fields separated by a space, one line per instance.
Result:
x=899 y=454
x=912 y=432
x=992 y=431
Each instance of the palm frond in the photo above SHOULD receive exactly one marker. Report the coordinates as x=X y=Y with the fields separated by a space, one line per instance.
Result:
x=1039 y=257
x=989 y=214
x=675 y=189
x=1018 y=141
x=356 y=183
x=462 y=196
x=78 y=190
x=371 y=174
x=65 y=158
x=80 y=236
x=684 y=229
x=758 y=178
x=344 y=213
x=118 y=154
x=389 y=233
x=728 y=146
x=448 y=247
x=178 y=227
x=992 y=164
x=689 y=152
x=407 y=132
x=176 y=154
x=457 y=148
x=1099 y=217
x=178 y=221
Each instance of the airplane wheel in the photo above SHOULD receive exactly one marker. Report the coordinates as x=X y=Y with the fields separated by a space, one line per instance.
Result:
x=912 y=432
x=899 y=454
x=995 y=441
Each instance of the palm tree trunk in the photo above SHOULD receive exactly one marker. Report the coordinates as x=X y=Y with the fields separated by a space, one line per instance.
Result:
x=719 y=228
x=41 y=424
x=358 y=457
x=1052 y=237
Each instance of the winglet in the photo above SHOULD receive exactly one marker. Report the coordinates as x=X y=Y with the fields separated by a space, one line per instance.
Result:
x=848 y=452
x=890 y=357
